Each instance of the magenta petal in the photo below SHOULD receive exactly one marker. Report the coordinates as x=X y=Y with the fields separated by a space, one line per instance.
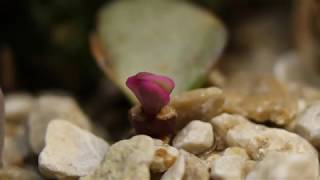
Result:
x=153 y=91
x=163 y=81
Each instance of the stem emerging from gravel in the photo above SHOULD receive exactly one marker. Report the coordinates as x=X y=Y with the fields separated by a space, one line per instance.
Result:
x=153 y=116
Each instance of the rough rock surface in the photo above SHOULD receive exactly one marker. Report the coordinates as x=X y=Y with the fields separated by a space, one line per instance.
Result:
x=187 y=167
x=261 y=99
x=176 y=171
x=18 y=107
x=126 y=160
x=259 y=140
x=287 y=67
x=70 y=151
x=198 y=104
x=195 y=138
x=210 y=156
x=47 y=108
x=216 y=78
x=16 y=147
x=195 y=167
x=285 y=166
x=164 y=157
x=231 y=165
x=307 y=124
x=16 y=173
x=310 y=94
x=228 y=168
x=236 y=151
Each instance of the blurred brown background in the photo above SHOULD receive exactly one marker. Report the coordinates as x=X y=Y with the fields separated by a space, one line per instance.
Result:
x=44 y=46
x=44 y=43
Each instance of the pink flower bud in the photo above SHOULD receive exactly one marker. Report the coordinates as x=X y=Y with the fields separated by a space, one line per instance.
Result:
x=153 y=91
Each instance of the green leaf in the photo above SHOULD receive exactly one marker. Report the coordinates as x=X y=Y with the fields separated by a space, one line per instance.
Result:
x=172 y=38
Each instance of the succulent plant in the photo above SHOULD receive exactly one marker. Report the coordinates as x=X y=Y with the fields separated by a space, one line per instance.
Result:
x=153 y=116
x=153 y=91
x=173 y=38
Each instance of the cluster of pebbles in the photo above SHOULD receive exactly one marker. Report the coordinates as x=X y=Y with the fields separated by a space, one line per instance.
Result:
x=262 y=129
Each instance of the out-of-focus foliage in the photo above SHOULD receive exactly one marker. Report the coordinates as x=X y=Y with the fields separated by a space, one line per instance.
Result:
x=49 y=38
x=49 y=42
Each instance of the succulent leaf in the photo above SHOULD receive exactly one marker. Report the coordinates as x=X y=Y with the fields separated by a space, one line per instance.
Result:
x=172 y=38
